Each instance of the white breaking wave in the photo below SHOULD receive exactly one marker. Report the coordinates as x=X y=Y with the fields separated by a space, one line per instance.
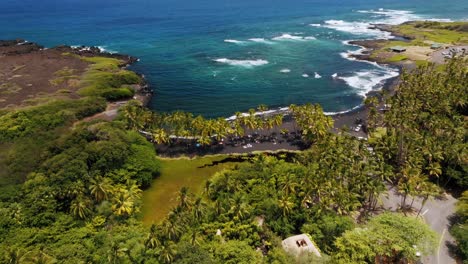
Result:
x=102 y=49
x=293 y=37
x=315 y=25
x=343 y=112
x=234 y=41
x=285 y=110
x=242 y=63
x=357 y=28
x=260 y=40
x=391 y=16
x=335 y=75
x=365 y=81
x=317 y=76
x=305 y=75
x=380 y=16
x=285 y=70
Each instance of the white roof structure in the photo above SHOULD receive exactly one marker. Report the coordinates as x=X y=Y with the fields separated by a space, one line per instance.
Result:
x=299 y=244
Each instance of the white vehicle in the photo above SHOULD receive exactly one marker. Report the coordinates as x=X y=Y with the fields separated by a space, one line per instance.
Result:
x=358 y=128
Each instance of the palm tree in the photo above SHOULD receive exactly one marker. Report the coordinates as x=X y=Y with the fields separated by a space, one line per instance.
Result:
x=152 y=241
x=122 y=203
x=278 y=119
x=116 y=252
x=15 y=255
x=38 y=258
x=100 y=188
x=160 y=136
x=428 y=190
x=184 y=199
x=80 y=207
x=198 y=209
x=286 y=204
x=288 y=184
x=262 y=108
x=131 y=113
x=171 y=229
x=238 y=208
x=167 y=252
x=204 y=140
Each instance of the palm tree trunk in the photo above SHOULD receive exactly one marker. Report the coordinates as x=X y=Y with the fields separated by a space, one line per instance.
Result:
x=422 y=205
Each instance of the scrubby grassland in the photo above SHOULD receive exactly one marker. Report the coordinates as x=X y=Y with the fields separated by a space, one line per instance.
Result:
x=421 y=35
x=439 y=32
x=106 y=78
x=28 y=128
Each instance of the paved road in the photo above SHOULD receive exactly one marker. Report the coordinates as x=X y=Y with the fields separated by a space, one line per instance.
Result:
x=435 y=213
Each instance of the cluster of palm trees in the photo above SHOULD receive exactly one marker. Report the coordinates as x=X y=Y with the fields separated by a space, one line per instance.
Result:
x=18 y=256
x=161 y=239
x=165 y=128
x=312 y=121
x=425 y=136
x=124 y=198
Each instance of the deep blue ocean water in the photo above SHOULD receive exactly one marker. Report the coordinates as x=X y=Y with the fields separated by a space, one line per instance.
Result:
x=216 y=57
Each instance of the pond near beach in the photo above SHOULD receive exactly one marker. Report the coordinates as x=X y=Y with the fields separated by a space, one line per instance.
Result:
x=161 y=197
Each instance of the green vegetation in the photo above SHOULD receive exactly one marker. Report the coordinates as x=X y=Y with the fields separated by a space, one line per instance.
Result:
x=459 y=228
x=428 y=109
x=75 y=195
x=106 y=78
x=158 y=200
x=387 y=238
x=440 y=32
x=64 y=75
x=397 y=58
x=421 y=34
x=167 y=128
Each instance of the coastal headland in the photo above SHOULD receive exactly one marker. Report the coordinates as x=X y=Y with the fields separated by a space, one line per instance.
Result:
x=415 y=43
x=32 y=75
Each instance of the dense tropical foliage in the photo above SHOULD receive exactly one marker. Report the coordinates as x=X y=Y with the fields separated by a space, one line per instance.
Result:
x=70 y=192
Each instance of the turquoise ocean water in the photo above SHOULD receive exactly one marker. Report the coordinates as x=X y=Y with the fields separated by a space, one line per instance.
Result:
x=216 y=57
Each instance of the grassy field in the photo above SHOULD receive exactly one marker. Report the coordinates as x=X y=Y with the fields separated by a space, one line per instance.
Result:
x=161 y=197
x=105 y=78
x=421 y=35
x=440 y=32
x=397 y=58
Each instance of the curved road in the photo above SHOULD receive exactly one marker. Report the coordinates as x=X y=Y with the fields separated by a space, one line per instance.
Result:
x=436 y=213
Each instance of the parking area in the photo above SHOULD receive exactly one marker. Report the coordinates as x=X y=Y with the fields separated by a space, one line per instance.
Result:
x=441 y=55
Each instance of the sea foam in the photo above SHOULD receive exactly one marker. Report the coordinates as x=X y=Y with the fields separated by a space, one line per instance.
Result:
x=357 y=28
x=234 y=41
x=365 y=81
x=242 y=63
x=260 y=40
x=290 y=37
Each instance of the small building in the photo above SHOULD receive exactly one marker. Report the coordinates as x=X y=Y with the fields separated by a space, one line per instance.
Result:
x=436 y=46
x=299 y=244
x=398 y=49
